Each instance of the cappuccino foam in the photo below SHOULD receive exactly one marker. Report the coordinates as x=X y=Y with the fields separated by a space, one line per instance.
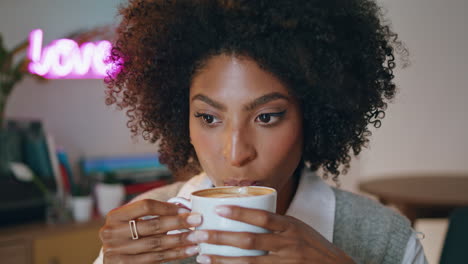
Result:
x=233 y=192
x=227 y=195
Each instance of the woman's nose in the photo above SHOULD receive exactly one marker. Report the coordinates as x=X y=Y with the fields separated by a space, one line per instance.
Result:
x=238 y=150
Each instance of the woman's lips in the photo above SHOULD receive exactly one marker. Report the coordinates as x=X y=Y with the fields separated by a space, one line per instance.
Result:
x=241 y=183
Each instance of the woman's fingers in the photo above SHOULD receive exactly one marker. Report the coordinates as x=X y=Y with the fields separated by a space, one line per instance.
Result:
x=159 y=225
x=142 y=208
x=245 y=240
x=151 y=257
x=261 y=218
x=163 y=224
x=154 y=243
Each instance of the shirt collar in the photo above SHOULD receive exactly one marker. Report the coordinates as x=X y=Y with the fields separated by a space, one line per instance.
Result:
x=313 y=203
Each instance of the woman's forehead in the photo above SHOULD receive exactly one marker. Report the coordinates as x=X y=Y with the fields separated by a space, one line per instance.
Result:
x=231 y=77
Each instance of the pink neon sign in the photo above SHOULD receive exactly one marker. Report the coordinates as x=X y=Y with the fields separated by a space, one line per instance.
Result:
x=64 y=59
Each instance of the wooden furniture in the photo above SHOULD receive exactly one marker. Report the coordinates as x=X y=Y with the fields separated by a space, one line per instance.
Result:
x=40 y=243
x=421 y=196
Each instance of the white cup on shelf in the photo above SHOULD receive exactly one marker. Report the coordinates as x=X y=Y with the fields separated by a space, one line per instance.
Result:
x=82 y=207
x=108 y=197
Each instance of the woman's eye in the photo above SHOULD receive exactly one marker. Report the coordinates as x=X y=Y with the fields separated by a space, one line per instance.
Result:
x=208 y=119
x=269 y=118
x=265 y=118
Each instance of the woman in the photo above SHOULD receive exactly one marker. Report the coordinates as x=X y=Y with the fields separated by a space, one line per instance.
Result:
x=261 y=92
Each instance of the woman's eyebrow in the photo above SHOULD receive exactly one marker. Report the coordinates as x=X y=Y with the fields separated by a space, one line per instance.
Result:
x=248 y=107
x=265 y=99
x=209 y=101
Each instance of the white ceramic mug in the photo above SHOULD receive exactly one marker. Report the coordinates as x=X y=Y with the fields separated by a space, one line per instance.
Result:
x=263 y=198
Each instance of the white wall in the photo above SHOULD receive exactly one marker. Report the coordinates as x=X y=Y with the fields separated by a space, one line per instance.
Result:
x=425 y=129
x=427 y=126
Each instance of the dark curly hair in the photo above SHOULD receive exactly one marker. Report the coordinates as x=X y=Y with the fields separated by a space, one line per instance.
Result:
x=335 y=56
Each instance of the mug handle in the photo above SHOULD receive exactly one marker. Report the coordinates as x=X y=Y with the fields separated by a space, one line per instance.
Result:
x=180 y=200
x=186 y=203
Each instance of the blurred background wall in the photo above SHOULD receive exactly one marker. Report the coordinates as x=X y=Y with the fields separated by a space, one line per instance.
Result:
x=426 y=127
x=424 y=130
x=73 y=110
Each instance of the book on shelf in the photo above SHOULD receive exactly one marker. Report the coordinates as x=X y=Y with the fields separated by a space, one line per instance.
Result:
x=133 y=190
x=54 y=163
x=66 y=170
x=35 y=149
x=65 y=179
x=121 y=163
x=138 y=173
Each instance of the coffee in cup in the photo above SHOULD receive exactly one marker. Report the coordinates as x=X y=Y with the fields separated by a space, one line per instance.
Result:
x=231 y=192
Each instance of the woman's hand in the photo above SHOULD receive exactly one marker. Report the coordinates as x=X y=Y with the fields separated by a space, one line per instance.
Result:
x=291 y=240
x=153 y=244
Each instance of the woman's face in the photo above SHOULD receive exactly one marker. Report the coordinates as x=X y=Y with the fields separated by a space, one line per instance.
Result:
x=244 y=125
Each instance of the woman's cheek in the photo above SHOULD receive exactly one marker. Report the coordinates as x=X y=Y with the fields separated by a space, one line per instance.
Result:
x=207 y=147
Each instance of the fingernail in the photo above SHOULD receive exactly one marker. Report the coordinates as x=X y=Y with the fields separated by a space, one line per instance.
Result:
x=192 y=250
x=223 y=210
x=194 y=219
x=197 y=236
x=183 y=211
x=203 y=259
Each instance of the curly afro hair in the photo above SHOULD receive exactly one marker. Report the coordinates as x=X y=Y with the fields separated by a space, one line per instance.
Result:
x=335 y=56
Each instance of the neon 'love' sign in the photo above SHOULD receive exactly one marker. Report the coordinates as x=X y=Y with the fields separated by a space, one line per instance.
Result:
x=64 y=59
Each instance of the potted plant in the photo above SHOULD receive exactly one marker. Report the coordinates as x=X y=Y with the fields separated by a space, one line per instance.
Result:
x=56 y=211
x=12 y=71
x=110 y=193
x=23 y=173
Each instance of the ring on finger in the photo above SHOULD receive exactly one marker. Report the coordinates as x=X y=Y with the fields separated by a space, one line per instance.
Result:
x=133 y=229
